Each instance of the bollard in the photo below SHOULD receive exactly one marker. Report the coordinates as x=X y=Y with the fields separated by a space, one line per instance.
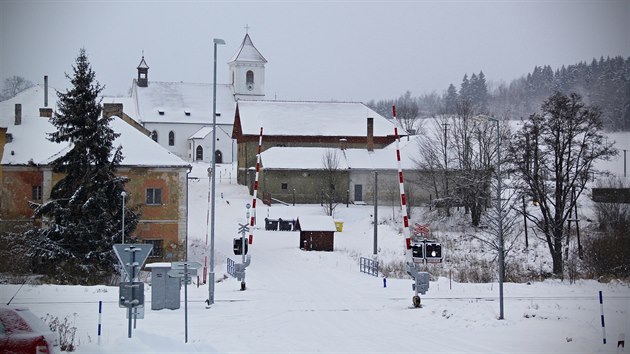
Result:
x=384 y=282
x=100 y=312
x=601 y=306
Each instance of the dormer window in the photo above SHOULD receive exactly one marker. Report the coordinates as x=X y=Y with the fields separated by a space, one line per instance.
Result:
x=187 y=112
x=161 y=112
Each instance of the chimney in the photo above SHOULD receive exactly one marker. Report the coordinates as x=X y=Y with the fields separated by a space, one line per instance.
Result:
x=45 y=90
x=18 y=114
x=370 y=134
x=112 y=109
x=45 y=112
x=343 y=144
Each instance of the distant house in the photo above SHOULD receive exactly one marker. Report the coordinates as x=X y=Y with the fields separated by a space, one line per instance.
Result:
x=317 y=233
x=301 y=178
x=158 y=178
x=178 y=115
x=305 y=124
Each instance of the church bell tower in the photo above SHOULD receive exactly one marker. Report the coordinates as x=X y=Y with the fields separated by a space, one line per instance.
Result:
x=247 y=71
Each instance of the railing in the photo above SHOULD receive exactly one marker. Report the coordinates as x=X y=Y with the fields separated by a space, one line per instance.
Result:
x=368 y=266
x=230 y=267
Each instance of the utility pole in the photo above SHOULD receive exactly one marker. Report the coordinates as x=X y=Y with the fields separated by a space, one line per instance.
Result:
x=375 y=213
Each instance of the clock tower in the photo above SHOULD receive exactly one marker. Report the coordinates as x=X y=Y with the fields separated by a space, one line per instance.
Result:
x=247 y=71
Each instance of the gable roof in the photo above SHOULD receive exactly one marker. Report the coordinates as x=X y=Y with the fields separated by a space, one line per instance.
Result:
x=311 y=158
x=247 y=52
x=316 y=223
x=289 y=118
x=30 y=142
x=175 y=99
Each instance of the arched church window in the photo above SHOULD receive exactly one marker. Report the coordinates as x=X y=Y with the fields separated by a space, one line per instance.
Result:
x=199 y=153
x=171 y=138
x=249 y=77
x=154 y=135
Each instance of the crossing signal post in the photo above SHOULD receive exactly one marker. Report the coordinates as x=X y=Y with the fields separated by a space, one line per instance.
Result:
x=423 y=251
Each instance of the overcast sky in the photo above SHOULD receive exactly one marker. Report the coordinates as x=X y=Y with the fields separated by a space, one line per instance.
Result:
x=316 y=50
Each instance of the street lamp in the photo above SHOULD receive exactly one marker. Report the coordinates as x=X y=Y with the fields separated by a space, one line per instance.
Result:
x=499 y=214
x=123 y=194
x=210 y=301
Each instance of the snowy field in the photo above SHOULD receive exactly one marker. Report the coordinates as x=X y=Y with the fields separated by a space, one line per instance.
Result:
x=298 y=302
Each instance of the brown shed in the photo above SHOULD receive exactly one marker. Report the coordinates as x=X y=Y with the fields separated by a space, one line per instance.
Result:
x=316 y=233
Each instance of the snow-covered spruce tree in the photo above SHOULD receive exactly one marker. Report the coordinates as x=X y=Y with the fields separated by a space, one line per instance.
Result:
x=83 y=217
x=553 y=154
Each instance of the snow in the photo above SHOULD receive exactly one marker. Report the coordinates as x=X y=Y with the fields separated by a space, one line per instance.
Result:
x=298 y=301
x=175 y=98
x=316 y=223
x=284 y=118
x=30 y=139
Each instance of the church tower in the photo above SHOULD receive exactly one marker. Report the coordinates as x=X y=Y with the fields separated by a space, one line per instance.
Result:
x=247 y=71
x=143 y=73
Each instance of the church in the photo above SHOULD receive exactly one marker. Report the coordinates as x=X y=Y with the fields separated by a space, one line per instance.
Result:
x=178 y=115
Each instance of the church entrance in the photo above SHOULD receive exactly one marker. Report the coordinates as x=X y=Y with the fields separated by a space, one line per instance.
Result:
x=218 y=156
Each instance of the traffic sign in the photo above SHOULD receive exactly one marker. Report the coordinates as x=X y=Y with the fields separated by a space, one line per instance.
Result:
x=131 y=294
x=132 y=255
x=179 y=273
x=243 y=228
x=182 y=265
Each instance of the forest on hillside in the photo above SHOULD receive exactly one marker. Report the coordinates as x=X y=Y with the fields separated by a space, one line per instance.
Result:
x=604 y=83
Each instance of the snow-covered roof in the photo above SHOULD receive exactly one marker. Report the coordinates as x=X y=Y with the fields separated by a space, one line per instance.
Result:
x=31 y=100
x=311 y=158
x=284 y=118
x=179 y=102
x=316 y=223
x=247 y=52
x=201 y=133
x=30 y=139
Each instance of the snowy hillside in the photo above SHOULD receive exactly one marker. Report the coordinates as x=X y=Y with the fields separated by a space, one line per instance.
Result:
x=299 y=301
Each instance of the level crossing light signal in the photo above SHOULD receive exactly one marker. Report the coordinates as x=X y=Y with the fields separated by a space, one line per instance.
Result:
x=417 y=252
x=433 y=252
x=238 y=246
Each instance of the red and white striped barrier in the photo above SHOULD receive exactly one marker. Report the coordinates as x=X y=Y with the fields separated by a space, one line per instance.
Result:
x=403 y=199
x=252 y=220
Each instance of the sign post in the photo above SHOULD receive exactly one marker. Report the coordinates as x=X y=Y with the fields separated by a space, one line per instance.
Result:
x=131 y=294
x=184 y=270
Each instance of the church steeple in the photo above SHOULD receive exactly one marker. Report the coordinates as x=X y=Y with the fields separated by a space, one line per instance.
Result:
x=143 y=73
x=247 y=71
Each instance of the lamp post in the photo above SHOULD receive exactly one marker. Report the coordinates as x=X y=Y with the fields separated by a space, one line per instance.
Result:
x=499 y=214
x=123 y=194
x=210 y=300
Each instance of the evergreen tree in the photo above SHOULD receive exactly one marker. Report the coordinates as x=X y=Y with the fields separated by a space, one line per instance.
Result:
x=450 y=100
x=82 y=219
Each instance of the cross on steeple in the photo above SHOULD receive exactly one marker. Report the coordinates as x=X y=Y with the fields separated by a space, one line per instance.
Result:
x=247 y=28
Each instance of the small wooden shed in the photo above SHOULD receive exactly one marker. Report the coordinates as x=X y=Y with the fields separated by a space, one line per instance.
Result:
x=317 y=233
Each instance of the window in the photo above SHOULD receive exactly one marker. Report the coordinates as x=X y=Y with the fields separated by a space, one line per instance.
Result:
x=199 y=153
x=158 y=248
x=154 y=196
x=161 y=112
x=36 y=193
x=154 y=136
x=249 y=77
x=171 y=138
x=284 y=186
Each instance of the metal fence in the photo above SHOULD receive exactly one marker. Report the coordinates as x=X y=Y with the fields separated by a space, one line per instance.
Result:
x=368 y=266
x=230 y=267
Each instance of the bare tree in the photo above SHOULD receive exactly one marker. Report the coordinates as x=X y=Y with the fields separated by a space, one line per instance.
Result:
x=563 y=142
x=14 y=85
x=330 y=181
